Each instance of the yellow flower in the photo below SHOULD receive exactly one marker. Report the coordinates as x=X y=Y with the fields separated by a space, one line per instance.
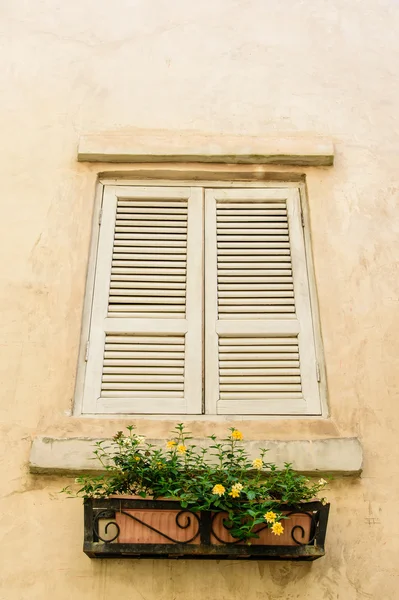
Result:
x=137 y=458
x=322 y=482
x=277 y=529
x=236 y=435
x=235 y=490
x=270 y=516
x=170 y=444
x=181 y=448
x=218 y=489
x=257 y=463
x=159 y=465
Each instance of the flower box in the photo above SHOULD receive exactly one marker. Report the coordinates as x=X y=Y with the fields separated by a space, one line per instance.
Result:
x=131 y=527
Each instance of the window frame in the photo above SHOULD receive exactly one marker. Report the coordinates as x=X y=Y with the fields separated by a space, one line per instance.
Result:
x=89 y=295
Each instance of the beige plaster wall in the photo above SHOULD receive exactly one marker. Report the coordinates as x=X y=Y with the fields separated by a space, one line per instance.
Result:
x=250 y=67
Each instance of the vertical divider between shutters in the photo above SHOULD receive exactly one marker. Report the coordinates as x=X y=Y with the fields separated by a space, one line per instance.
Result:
x=211 y=309
x=194 y=303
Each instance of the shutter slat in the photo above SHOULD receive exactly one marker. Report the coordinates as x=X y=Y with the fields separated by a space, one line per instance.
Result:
x=250 y=210
x=146 y=235
x=241 y=389
x=253 y=272
x=253 y=259
x=136 y=396
x=256 y=294
x=253 y=252
x=150 y=293
x=278 y=283
x=148 y=245
x=135 y=387
x=260 y=396
x=237 y=310
x=257 y=341
x=118 y=358
x=144 y=343
x=259 y=302
x=255 y=204
x=250 y=220
x=252 y=229
x=246 y=247
x=179 y=232
x=142 y=355
x=153 y=203
x=125 y=275
x=146 y=272
x=254 y=268
x=142 y=378
x=129 y=309
x=137 y=314
x=261 y=356
x=157 y=221
x=138 y=218
x=260 y=239
x=260 y=378
x=147 y=211
x=150 y=264
x=135 y=369
x=271 y=361
x=253 y=316
x=146 y=253
x=138 y=300
x=143 y=287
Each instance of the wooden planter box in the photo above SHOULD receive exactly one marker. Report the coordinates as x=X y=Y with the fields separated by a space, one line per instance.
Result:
x=131 y=527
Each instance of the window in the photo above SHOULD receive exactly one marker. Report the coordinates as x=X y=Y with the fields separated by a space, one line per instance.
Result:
x=201 y=304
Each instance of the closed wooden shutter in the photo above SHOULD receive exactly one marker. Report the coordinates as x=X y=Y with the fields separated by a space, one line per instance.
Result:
x=145 y=344
x=259 y=344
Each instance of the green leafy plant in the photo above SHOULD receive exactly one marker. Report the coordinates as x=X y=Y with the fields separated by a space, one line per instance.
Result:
x=219 y=478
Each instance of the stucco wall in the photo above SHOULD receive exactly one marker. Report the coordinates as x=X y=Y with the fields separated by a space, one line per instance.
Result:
x=242 y=67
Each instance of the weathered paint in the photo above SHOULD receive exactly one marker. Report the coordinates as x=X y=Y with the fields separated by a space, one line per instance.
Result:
x=250 y=67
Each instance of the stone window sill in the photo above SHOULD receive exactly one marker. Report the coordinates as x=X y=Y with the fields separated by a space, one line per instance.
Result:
x=340 y=456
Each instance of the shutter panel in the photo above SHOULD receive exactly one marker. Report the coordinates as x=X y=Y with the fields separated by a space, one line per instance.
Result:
x=146 y=328
x=259 y=345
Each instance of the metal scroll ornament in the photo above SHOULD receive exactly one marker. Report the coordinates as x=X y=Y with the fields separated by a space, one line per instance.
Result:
x=299 y=528
x=296 y=529
x=105 y=514
x=183 y=521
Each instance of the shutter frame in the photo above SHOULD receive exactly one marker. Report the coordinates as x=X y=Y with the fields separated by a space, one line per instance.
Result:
x=308 y=402
x=306 y=337
x=105 y=323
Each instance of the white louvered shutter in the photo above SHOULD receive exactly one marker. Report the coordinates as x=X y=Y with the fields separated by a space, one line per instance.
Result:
x=145 y=348
x=259 y=343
